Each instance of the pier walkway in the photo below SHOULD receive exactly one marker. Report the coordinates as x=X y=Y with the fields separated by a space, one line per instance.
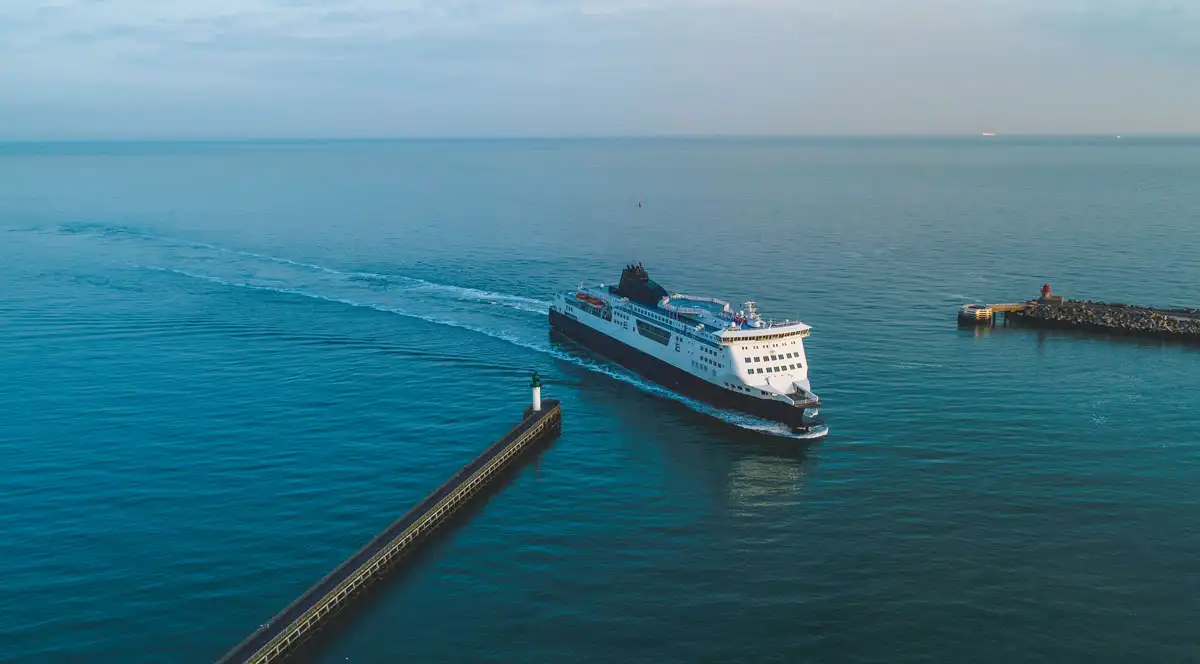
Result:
x=296 y=622
x=985 y=313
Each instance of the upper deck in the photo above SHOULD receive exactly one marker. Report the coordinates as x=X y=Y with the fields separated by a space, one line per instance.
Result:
x=708 y=316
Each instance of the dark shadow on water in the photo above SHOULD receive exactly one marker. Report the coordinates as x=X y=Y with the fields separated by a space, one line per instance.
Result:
x=1044 y=333
x=974 y=330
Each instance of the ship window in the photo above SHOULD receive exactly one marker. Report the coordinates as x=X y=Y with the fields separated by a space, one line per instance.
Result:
x=764 y=392
x=653 y=333
x=760 y=370
x=757 y=359
x=747 y=359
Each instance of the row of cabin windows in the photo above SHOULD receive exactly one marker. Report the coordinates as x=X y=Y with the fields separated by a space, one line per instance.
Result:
x=709 y=351
x=785 y=344
x=772 y=358
x=661 y=319
x=782 y=367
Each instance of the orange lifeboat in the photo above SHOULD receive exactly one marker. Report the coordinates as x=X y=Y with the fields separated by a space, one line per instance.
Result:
x=594 y=301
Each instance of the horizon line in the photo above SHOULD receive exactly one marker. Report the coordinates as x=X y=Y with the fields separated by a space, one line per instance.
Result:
x=598 y=137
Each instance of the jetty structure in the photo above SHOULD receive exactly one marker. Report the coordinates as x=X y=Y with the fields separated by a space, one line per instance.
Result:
x=1055 y=311
x=283 y=634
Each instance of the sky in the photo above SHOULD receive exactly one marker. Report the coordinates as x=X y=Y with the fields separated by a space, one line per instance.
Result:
x=114 y=69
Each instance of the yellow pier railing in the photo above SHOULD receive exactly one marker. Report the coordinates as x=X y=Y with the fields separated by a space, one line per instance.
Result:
x=986 y=313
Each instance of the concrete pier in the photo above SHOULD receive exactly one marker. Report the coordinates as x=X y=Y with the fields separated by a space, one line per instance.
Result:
x=1110 y=318
x=281 y=636
x=1054 y=311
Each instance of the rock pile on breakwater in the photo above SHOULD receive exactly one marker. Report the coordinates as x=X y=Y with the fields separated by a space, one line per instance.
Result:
x=1113 y=318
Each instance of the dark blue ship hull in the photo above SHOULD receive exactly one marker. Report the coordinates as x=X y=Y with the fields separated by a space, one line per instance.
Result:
x=677 y=379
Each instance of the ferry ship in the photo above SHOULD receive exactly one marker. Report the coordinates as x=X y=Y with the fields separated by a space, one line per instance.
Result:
x=696 y=346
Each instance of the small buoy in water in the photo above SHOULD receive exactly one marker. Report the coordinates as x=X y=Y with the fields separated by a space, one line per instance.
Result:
x=639 y=204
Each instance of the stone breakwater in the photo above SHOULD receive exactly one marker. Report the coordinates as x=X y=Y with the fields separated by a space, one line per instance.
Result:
x=1113 y=318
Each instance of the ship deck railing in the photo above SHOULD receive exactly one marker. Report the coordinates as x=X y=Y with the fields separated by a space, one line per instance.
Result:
x=803 y=400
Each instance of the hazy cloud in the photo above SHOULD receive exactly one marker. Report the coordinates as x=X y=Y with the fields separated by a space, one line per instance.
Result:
x=96 y=68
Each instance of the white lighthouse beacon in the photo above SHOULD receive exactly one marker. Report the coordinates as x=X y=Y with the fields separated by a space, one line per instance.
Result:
x=536 y=385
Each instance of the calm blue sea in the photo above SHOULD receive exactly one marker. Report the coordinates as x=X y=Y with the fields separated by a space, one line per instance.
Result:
x=225 y=366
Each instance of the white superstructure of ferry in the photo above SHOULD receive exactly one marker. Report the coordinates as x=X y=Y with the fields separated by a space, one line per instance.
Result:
x=698 y=346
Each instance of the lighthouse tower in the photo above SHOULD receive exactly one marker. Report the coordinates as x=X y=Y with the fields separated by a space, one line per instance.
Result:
x=536 y=384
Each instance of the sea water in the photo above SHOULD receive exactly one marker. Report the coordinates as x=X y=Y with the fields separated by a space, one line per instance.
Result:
x=226 y=366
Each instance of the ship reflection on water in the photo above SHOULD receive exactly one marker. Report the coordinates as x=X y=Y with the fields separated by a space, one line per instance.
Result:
x=756 y=481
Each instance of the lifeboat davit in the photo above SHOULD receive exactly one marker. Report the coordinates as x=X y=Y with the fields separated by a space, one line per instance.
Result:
x=594 y=301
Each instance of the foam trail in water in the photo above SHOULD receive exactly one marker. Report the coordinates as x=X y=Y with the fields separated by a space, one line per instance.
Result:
x=116 y=233
x=442 y=304
x=730 y=417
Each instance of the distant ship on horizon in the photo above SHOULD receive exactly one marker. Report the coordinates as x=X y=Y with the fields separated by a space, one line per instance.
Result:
x=988 y=133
